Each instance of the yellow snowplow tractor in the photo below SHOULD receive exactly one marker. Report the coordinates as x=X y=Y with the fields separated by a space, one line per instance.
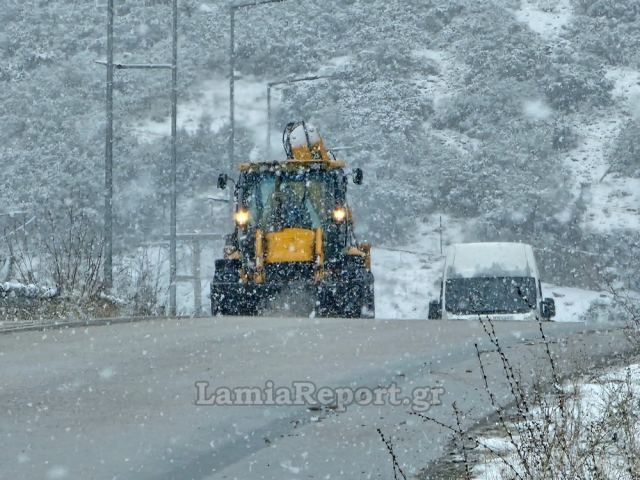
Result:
x=294 y=245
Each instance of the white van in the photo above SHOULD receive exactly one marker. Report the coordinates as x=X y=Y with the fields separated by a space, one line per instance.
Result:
x=498 y=280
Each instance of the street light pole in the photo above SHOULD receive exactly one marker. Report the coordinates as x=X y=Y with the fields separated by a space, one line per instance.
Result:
x=108 y=202
x=174 y=162
x=108 y=163
x=232 y=72
x=232 y=86
x=271 y=85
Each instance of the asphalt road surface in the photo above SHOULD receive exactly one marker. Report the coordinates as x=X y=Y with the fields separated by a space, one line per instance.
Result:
x=119 y=402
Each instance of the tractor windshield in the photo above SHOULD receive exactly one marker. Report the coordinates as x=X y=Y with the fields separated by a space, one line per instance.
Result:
x=279 y=200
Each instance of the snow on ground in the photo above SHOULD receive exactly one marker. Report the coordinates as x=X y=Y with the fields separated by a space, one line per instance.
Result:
x=573 y=303
x=626 y=88
x=614 y=205
x=405 y=283
x=18 y=289
x=588 y=160
x=588 y=163
x=445 y=83
x=440 y=87
x=545 y=17
x=213 y=105
x=408 y=277
x=463 y=144
x=593 y=397
x=335 y=65
x=612 y=202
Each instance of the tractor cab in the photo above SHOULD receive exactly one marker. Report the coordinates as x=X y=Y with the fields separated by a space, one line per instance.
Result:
x=293 y=228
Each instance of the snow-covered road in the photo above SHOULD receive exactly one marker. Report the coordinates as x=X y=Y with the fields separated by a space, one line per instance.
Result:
x=118 y=402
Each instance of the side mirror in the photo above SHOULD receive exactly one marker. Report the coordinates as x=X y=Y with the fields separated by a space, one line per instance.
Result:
x=358 y=176
x=222 y=181
x=435 y=310
x=548 y=308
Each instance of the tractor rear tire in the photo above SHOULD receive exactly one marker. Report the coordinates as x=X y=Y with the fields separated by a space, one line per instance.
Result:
x=369 y=303
x=352 y=299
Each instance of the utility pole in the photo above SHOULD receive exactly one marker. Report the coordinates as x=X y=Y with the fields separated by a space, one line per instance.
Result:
x=108 y=213
x=291 y=81
x=440 y=230
x=174 y=164
x=232 y=88
x=108 y=161
x=268 y=151
x=232 y=71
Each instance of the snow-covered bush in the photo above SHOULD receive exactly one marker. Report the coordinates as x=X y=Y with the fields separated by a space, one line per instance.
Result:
x=63 y=249
x=73 y=246
x=587 y=429
x=139 y=281
x=626 y=307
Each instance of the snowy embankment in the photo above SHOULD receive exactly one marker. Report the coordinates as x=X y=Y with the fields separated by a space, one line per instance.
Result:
x=408 y=278
x=407 y=282
x=602 y=424
x=612 y=203
x=611 y=200
x=572 y=304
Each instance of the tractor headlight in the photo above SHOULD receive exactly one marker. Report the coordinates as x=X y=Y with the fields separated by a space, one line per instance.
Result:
x=339 y=214
x=242 y=217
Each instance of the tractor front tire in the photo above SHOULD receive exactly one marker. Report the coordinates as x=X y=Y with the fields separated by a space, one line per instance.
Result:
x=351 y=299
x=232 y=300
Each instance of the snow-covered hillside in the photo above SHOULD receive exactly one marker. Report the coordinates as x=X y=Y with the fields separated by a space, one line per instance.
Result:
x=517 y=118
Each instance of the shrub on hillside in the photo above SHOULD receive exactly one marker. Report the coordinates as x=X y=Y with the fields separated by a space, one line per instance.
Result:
x=480 y=111
x=622 y=10
x=570 y=87
x=613 y=40
x=625 y=155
